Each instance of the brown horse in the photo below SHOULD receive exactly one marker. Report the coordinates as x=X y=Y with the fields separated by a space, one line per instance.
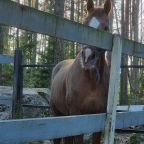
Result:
x=80 y=86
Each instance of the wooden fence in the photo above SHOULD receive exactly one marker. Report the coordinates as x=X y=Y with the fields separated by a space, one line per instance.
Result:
x=18 y=131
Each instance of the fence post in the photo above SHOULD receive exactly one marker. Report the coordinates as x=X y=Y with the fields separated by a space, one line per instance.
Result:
x=113 y=90
x=17 y=85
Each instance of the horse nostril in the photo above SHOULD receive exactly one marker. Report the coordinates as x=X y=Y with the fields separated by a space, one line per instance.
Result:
x=93 y=56
x=82 y=53
x=106 y=28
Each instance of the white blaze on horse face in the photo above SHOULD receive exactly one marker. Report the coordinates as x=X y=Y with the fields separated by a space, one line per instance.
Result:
x=88 y=52
x=94 y=22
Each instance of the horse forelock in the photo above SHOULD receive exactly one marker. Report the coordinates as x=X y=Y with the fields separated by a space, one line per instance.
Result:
x=80 y=59
x=107 y=58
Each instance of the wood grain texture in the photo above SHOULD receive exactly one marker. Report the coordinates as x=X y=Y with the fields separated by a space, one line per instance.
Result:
x=55 y=127
x=113 y=90
x=30 y=19
x=27 y=18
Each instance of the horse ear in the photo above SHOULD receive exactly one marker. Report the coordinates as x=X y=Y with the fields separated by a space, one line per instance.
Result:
x=107 y=6
x=90 y=5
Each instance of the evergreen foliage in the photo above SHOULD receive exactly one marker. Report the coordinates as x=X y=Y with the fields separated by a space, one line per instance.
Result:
x=40 y=49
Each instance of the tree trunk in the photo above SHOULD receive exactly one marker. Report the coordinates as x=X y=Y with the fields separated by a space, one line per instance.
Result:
x=72 y=18
x=59 y=43
x=135 y=72
x=82 y=10
x=3 y=45
x=72 y=10
x=17 y=34
x=1 y=51
x=125 y=32
x=34 y=49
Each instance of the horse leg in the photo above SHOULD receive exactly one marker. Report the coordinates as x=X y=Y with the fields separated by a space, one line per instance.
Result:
x=75 y=139
x=96 y=139
x=78 y=139
x=56 y=112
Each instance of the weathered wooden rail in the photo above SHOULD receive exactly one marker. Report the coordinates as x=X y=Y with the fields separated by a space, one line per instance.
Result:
x=6 y=59
x=30 y=19
x=55 y=127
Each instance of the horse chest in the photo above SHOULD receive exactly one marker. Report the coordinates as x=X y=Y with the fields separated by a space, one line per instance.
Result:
x=89 y=99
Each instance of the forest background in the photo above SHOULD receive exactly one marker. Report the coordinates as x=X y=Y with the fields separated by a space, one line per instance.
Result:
x=127 y=19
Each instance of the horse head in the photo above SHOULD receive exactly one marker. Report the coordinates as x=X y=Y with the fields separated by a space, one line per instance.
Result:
x=97 y=18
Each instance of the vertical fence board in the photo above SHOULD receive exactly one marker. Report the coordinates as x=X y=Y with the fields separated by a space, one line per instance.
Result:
x=113 y=90
x=17 y=85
